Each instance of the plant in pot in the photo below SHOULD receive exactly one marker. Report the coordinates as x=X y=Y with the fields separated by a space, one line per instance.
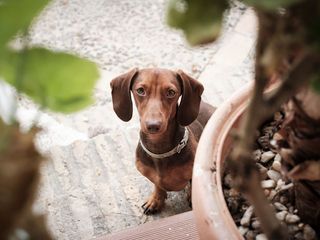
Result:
x=57 y=81
x=288 y=50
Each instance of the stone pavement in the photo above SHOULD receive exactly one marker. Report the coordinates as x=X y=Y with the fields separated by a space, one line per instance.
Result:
x=90 y=186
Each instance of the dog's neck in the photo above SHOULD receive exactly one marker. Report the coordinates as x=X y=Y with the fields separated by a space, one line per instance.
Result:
x=166 y=141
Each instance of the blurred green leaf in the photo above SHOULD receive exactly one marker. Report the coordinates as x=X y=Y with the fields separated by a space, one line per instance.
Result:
x=59 y=81
x=315 y=84
x=270 y=4
x=200 y=20
x=17 y=15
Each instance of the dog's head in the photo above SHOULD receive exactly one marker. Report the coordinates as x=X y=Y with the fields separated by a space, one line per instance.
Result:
x=156 y=93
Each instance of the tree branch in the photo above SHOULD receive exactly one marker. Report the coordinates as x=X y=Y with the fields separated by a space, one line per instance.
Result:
x=300 y=74
x=243 y=168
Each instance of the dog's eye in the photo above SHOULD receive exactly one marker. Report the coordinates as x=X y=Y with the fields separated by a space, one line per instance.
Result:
x=171 y=93
x=141 y=92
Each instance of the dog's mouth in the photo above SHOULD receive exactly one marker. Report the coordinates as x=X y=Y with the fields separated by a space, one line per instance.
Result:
x=153 y=129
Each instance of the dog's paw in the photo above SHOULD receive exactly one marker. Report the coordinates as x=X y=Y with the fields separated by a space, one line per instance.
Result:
x=154 y=204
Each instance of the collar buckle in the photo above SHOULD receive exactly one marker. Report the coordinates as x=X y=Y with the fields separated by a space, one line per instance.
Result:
x=181 y=145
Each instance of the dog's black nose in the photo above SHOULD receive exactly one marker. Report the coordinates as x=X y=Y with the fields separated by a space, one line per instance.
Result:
x=153 y=126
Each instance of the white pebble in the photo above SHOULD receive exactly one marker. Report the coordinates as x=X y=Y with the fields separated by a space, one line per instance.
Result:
x=292 y=218
x=261 y=237
x=281 y=215
x=280 y=184
x=273 y=143
x=250 y=235
x=285 y=187
x=276 y=165
x=243 y=230
x=280 y=206
x=274 y=175
x=268 y=183
x=267 y=156
x=277 y=158
x=255 y=224
x=245 y=220
x=272 y=194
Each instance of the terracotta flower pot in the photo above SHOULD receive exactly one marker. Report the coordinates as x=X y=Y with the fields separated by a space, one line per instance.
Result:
x=213 y=218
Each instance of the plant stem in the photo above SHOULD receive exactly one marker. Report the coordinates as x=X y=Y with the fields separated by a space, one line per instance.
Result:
x=244 y=170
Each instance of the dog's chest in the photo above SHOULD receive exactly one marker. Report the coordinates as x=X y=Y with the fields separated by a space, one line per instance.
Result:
x=167 y=176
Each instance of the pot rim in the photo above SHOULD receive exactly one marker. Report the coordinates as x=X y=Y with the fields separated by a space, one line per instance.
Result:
x=213 y=218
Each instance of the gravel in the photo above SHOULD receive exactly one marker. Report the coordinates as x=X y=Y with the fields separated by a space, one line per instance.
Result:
x=268 y=183
x=245 y=220
x=277 y=158
x=281 y=215
x=261 y=237
x=279 y=206
x=267 y=156
x=276 y=165
x=292 y=218
x=274 y=175
x=276 y=188
x=256 y=224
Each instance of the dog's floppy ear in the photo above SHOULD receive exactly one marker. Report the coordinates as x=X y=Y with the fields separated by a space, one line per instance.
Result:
x=188 y=109
x=121 y=97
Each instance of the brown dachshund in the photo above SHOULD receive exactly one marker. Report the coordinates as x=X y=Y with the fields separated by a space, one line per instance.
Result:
x=172 y=117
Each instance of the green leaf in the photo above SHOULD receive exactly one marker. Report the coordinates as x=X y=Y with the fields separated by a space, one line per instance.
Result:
x=200 y=20
x=315 y=84
x=270 y=4
x=17 y=15
x=59 y=81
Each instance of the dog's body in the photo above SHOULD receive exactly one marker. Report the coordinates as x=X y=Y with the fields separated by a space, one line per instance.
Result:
x=169 y=131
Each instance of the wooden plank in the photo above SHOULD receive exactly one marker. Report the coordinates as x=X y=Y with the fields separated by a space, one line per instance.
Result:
x=181 y=226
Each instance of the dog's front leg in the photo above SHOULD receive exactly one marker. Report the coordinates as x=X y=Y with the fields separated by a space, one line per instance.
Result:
x=155 y=201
